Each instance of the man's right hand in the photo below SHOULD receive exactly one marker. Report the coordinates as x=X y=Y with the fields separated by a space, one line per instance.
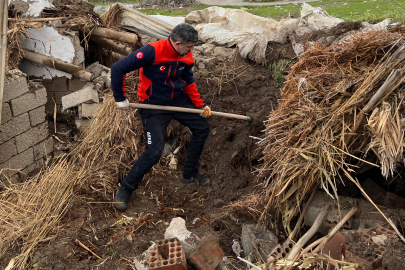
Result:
x=123 y=105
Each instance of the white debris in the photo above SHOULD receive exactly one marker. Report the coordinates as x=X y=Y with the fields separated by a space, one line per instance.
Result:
x=379 y=239
x=177 y=229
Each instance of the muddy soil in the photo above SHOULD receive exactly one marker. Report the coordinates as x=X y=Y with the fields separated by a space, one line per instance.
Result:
x=229 y=160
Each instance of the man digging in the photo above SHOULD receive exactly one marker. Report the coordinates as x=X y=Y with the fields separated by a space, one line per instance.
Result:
x=165 y=78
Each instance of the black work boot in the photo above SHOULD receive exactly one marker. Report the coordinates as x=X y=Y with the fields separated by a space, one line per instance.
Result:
x=195 y=178
x=122 y=198
x=202 y=181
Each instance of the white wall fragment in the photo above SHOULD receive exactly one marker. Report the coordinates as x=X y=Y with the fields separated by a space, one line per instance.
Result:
x=49 y=42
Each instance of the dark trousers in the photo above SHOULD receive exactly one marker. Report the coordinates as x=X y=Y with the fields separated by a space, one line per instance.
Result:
x=155 y=124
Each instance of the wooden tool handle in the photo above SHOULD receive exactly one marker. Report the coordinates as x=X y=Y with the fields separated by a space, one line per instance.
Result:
x=187 y=110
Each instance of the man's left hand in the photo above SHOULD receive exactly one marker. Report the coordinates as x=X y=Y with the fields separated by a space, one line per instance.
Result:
x=206 y=113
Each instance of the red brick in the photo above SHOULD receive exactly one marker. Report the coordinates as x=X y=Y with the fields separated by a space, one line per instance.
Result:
x=334 y=246
x=207 y=254
x=168 y=255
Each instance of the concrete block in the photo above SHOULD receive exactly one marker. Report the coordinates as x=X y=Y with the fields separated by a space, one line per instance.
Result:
x=207 y=254
x=58 y=84
x=50 y=108
x=37 y=116
x=6 y=113
x=43 y=148
x=7 y=150
x=31 y=137
x=88 y=110
x=30 y=170
x=59 y=95
x=257 y=242
x=82 y=124
x=96 y=68
x=87 y=94
x=50 y=96
x=75 y=84
x=14 y=127
x=19 y=161
x=28 y=102
x=15 y=88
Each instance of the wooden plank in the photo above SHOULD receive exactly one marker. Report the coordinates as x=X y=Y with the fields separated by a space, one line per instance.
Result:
x=58 y=64
x=3 y=51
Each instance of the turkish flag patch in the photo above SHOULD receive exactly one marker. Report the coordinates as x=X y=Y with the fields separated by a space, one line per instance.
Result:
x=139 y=55
x=162 y=68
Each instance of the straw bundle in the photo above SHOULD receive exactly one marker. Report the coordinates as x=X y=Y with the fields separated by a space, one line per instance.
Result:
x=318 y=126
x=31 y=210
x=112 y=142
x=388 y=138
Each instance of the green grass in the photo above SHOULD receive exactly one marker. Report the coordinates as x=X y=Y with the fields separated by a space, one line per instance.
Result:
x=363 y=10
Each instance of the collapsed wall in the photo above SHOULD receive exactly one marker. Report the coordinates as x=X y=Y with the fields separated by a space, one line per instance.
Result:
x=24 y=136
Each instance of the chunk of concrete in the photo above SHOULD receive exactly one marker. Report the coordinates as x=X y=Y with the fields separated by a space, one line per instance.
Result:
x=177 y=229
x=7 y=150
x=14 y=127
x=57 y=84
x=28 y=101
x=95 y=68
x=75 y=84
x=6 y=113
x=31 y=137
x=19 y=161
x=15 y=87
x=207 y=255
x=43 y=148
x=257 y=242
x=37 y=116
x=88 y=110
x=82 y=124
x=87 y=94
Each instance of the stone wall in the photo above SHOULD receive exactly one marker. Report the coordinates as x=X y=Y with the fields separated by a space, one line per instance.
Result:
x=24 y=135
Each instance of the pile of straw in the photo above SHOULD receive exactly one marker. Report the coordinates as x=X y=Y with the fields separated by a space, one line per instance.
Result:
x=318 y=127
x=30 y=211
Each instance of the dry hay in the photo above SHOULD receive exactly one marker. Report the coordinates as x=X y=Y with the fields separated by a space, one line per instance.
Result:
x=388 y=137
x=30 y=211
x=75 y=13
x=113 y=16
x=317 y=129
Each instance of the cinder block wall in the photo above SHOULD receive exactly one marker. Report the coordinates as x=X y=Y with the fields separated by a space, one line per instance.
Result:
x=24 y=136
x=59 y=87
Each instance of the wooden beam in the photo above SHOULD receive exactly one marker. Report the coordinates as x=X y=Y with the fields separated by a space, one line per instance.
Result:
x=105 y=42
x=3 y=51
x=58 y=64
x=113 y=34
x=36 y=20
